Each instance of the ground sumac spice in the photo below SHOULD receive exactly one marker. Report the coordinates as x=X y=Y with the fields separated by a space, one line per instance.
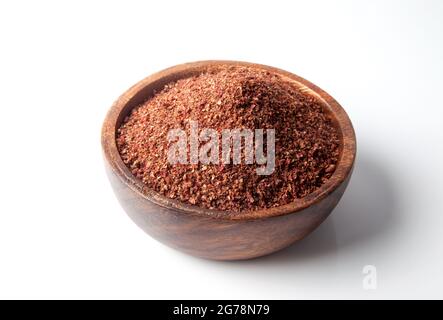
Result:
x=307 y=143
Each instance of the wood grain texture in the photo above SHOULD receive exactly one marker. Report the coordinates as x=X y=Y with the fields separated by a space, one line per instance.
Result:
x=215 y=234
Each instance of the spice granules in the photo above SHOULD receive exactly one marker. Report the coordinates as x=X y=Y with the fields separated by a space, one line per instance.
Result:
x=307 y=143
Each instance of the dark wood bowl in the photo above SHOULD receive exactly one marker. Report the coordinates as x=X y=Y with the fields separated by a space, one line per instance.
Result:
x=208 y=233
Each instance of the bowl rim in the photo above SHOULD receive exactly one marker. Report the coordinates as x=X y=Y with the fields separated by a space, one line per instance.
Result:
x=112 y=156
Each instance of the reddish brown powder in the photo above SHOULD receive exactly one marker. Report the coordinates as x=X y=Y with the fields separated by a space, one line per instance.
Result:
x=306 y=146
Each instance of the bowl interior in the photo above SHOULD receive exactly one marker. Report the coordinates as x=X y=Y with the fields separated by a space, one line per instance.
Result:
x=146 y=88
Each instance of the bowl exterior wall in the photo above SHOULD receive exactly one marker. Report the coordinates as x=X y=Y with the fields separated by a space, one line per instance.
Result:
x=220 y=239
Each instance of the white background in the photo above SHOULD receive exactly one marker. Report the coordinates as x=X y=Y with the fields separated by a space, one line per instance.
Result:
x=62 y=64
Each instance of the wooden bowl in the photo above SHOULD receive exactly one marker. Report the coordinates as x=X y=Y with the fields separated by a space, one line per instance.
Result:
x=209 y=233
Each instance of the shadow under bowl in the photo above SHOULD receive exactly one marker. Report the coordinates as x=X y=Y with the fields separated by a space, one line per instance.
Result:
x=214 y=234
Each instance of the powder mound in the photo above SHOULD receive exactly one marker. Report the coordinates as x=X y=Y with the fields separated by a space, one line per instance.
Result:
x=307 y=144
